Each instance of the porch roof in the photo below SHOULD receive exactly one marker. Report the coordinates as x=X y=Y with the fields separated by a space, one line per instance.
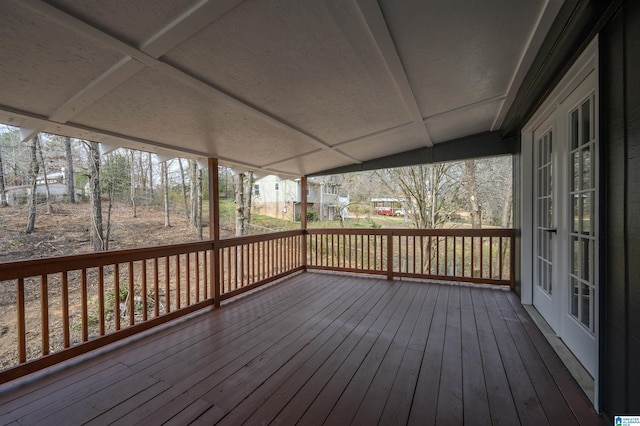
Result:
x=322 y=348
x=285 y=87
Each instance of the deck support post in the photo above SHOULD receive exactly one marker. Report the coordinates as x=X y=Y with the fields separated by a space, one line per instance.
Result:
x=214 y=230
x=303 y=220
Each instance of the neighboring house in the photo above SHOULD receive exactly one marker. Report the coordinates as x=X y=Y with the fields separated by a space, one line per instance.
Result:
x=18 y=195
x=277 y=197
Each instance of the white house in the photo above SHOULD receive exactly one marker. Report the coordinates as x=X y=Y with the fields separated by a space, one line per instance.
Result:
x=277 y=197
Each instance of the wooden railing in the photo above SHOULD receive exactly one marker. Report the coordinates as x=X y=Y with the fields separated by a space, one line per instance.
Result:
x=249 y=262
x=471 y=255
x=56 y=308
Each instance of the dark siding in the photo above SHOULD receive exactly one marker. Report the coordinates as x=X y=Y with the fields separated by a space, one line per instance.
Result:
x=620 y=275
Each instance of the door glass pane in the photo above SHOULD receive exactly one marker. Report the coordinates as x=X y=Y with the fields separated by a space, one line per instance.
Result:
x=586 y=122
x=574 y=256
x=574 y=297
x=573 y=129
x=585 y=253
x=586 y=213
x=575 y=171
x=586 y=305
x=575 y=208
x=586 y=168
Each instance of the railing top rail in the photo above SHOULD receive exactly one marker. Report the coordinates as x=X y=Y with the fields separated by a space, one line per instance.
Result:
x=248 y=239
x=51 y=265
x=483 y=232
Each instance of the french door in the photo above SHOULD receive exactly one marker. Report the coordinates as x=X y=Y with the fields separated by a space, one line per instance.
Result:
x=565 y=204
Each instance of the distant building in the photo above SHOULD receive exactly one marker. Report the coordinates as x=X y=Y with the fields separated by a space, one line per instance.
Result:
x=277 y=197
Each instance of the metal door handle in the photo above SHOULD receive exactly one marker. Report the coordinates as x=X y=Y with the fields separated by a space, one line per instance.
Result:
x=552 y=230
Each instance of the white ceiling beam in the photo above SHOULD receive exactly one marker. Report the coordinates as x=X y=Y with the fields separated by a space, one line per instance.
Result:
x=109 y=80
x=185 y=26
x=380 y=133
x=540 y=30
x=28 y=133
x=169 y=37
x=472 y=105
x=370 y=11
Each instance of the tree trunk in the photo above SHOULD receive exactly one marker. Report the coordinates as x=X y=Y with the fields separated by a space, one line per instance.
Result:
x=46 y=181
x=248 y=199
x=193 y=194
x=3 y=190
x=71 y=194
x=133 y=184
x=33 y=172
x=199 y=198
x=98 y=242
x=506 y=210
x=472 y=192
x=165 y=190
x=239 y=189
x=184 y=188
x=475 y=212
x=150 y=176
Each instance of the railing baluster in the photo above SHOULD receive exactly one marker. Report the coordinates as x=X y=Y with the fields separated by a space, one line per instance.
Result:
x=490 y=257
x=156 y=288
x=85 y=310
x=102 y=325
x=116 y=294
x=463 y=250
x=65 y=309
x=167 y=285
x=144 y=290
x=178 y=283
x=473 y=253
x=188 y=278
x=196 y=268
x=500 y=274
x=131 y=296
x=44 y=312
x=22 y=328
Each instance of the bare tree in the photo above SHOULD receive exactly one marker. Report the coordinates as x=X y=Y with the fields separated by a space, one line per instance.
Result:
x=195 y=198
x=3 y=190
x=46 y=180
x=165 y=190
x=248 y=198
x=428 y=191
x=98 y=242
x=133 y=184
x=33 y=172
x=69 y=175
x=199 y=198
x=150 y=159
x=475 y=209
x=184 y=188
x=239 y=190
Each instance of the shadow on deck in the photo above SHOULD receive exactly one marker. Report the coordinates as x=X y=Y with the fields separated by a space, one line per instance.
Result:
x=321 y=348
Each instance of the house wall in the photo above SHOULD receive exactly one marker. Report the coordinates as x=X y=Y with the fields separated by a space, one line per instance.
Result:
x=620 y=262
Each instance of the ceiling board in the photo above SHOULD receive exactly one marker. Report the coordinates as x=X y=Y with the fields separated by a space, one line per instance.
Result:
x=296 y=86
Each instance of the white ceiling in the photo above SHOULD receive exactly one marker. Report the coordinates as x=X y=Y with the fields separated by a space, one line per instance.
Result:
x=290 y=87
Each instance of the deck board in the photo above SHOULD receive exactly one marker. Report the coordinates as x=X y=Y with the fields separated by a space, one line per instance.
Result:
x=321 y=349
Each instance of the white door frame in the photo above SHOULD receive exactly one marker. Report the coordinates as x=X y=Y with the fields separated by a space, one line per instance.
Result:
x=586 y=65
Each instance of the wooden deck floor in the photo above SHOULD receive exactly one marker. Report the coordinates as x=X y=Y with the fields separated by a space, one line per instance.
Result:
x=322 y=348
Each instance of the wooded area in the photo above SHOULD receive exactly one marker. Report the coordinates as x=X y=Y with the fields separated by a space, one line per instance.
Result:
x=52 y=169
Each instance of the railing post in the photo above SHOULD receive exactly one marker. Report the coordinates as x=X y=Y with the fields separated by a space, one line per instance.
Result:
x=214 y=230
x=389 y=235
x=303 y=220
